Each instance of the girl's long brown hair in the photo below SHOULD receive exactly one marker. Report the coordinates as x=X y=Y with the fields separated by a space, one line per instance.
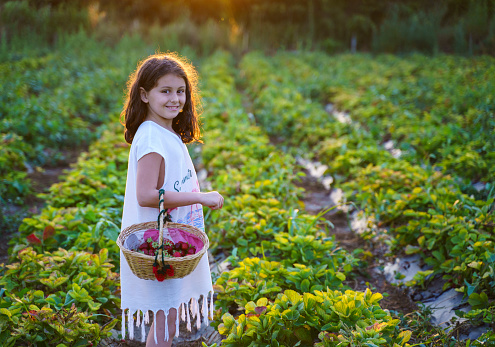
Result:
x=146 y=76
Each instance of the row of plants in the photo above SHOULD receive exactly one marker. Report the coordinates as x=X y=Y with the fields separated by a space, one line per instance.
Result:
x=285 y=283
x=424 y=210
x=60 y=287
x=438 y=111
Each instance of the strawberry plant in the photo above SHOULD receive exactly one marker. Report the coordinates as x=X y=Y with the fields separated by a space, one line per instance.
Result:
x=80 y=220
x=13 y=168
x=309 y=250
x=259 y=222
x=25 y=322
x=290 y=268
x=253 y=278
x=415 y=101
x=65 y=278
x=295 y=319
x=63 y=297
x=411 y=193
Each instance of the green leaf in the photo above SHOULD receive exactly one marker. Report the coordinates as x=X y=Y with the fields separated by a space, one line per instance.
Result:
x=303 y=334
x=291 y=314
x=59 y=281
x=470 y=288
x=6 y=312
x=412 y=249
x=305 y=285
x=228 y=320
x=404 y=336
x=478 y=300
x=242 y=242
x=93 y=306
x=439 y=255
x=294 y=297
x=112 y=232
x=309 y=301
x=103 y=300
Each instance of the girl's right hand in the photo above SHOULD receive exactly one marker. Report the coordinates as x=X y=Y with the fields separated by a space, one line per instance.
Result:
x=212 y=199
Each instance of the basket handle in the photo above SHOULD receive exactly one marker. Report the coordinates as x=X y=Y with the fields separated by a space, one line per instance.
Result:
x=163 y=230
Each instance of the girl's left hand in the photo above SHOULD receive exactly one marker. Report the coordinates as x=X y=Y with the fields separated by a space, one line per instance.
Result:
x=212 y=199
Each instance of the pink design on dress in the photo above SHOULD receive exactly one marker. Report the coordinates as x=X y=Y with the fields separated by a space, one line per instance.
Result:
x=194 y=217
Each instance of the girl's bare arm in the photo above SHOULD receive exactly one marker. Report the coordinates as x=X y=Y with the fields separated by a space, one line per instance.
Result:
x=150 y=178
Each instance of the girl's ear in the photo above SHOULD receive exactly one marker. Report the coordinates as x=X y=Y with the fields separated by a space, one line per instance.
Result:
x=144 y=95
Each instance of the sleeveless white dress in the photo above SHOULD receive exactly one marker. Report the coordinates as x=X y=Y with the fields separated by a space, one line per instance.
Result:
x=139 y=296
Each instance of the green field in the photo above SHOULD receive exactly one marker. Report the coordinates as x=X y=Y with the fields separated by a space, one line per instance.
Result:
x=290 y=282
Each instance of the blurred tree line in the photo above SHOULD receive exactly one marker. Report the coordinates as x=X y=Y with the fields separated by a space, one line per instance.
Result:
x=395 y=26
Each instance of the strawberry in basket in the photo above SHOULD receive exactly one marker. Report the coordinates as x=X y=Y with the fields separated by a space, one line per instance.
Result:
x=172 y=250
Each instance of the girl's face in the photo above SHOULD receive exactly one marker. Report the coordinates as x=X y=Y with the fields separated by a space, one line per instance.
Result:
x=165 y=100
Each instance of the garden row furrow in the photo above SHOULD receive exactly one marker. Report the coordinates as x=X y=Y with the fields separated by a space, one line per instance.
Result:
x=285 y=283
x=424 y=210
x=439 y=111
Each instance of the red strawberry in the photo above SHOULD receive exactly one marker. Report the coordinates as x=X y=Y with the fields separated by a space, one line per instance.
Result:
x=170 y=272
x=169 y=249
x=184 y=246
x=159 y=275
x=191 y=250
x=177 y=254
x=143 y=246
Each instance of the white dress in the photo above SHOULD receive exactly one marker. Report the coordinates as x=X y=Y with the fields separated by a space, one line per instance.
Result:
x=139 y=296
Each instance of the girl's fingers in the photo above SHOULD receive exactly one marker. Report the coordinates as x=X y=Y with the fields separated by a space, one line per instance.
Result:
x=218 y=204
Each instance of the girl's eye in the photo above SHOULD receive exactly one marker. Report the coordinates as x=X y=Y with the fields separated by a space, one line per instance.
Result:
x=165 y=91
x=181 y=91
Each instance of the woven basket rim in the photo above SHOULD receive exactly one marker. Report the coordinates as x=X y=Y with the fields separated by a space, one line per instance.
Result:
x=132 y=255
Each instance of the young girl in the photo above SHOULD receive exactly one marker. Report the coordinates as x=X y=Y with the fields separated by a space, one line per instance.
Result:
x=160 y=116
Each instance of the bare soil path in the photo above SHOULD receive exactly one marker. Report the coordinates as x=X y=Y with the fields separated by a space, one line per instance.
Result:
x=317 y=199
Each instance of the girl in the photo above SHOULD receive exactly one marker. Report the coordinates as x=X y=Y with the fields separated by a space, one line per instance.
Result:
x=160 y=116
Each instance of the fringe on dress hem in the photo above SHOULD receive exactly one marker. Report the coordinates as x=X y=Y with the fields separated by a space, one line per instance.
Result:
x=202 y=315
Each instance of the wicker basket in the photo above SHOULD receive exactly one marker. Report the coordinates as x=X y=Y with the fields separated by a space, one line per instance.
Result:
x=142 y=265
